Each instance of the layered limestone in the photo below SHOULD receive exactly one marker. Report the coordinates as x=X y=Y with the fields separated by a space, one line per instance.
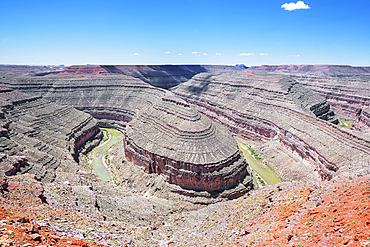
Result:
x=308 y=100
x=365 y=117
x=312 y=69
x=40 y=137
x=257 y=108
x=116 y=102
x=163 y=76
x=346 y=88
x=284 y=125
x=112 y=101
x=188 y=149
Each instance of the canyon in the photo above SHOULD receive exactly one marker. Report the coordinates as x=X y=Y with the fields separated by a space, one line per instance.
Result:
x=180 y=126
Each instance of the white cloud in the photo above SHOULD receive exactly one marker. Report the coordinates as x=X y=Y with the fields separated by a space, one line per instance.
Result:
x=194 y=52
x=246 y=54
x=167 y=52
x=136 y=54
x=197 y=55
x=294 y=55
x=205 y=54
x=218 y=54
x=263 y=54
x=294 y=6
x=179 y=54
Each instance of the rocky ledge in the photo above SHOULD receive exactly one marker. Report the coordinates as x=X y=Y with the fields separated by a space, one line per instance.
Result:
x=299 y=145
x=187 y=148
x=40 y=137
x=308 y=100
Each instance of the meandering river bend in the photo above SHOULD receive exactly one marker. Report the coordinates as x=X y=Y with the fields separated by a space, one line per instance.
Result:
x=98 y=154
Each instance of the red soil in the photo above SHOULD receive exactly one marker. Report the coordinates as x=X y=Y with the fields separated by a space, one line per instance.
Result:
x=21 y=205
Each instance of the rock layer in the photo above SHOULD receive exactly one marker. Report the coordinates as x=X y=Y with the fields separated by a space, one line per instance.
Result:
x=308 y=100
x=163 y=76
x=188 y=149
x=251 y=105
x=114 y=102
x=40 y=136
x=255 y=107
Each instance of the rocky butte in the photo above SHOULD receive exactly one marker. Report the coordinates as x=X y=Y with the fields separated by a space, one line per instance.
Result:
x=178 y=167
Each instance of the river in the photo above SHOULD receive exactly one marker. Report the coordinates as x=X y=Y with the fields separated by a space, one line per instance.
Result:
x=98 y=154
x=265 y=173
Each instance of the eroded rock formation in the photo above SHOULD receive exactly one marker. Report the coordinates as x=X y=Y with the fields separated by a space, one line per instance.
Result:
x=162 y=76
x=255 y=107
x=115 y=102
x=308 y=100
x=39 y=136
x=188 y=149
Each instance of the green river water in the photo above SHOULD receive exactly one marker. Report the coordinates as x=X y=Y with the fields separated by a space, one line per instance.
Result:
x=99 y=153
x=266 y=174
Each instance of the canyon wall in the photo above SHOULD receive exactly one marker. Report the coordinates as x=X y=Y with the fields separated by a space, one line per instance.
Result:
x=282 y=122
x=258 y=108
x=162 y=76
x=114 y=102
x=40 y=137
x=346 y=88
x=184 y=146
x=308 y=100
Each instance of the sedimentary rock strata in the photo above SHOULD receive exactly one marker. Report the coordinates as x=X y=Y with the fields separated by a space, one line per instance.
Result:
x=163 y=76
x=252 y=104
x=9 y=71
x=346 y=88
x=308 y=100
x=40 y=136
x=365 y=117
x=114 y=102
x=187 y=148
x=259 y=110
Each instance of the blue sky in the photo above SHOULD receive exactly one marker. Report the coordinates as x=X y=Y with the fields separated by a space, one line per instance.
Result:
x=252 y=32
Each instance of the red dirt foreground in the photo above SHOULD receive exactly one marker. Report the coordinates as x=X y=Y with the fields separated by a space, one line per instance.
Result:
x=21 y=205
x=330 y=213
x=334 y=213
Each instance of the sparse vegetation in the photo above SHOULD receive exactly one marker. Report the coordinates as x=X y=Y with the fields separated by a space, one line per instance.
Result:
x=345 y=123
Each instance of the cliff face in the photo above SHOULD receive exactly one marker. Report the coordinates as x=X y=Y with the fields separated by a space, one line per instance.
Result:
x=346 y=88
x=188 y=149
x=114 y=102
x=308 y=100
x=162 y=76
x=39 y=136
x=282 y=121
x=257 y=108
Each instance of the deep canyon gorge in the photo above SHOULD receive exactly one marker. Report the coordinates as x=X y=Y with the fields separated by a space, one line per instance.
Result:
x=179 y=159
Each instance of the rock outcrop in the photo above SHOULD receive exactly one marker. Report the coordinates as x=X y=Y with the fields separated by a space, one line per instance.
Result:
x=114 y=102
x=251 y=105
x=308 y=100
x=162 y=76
x=184 y=146
x=346 y=88
x=365 y=117
x=256 y=108
x=40 y=136
x=324 y=69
